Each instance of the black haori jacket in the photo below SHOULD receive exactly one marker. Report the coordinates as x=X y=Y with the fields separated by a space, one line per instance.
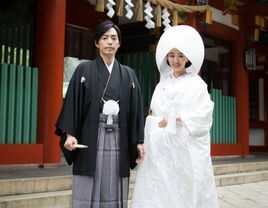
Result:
x=79 y=117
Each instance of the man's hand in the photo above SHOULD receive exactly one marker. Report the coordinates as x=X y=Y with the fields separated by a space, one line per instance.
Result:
x=141 y=153
x=70 y=143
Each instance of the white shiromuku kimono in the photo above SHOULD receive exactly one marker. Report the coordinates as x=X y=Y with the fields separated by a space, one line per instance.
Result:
x=177 y=170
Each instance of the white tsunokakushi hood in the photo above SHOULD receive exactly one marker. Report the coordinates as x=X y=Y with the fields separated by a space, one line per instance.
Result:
x=187 y=40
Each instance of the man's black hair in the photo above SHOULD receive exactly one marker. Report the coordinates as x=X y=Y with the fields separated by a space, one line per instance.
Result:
x=104 y=27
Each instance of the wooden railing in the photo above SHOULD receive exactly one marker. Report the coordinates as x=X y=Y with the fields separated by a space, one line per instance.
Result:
x=18 y=104
x=16 y=45
x=224 y=118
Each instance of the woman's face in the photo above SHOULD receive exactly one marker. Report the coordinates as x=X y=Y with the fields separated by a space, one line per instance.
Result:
x=108 y=43
x=177 y=61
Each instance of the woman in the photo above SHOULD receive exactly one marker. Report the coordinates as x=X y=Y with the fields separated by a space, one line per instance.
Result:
x=177 y=170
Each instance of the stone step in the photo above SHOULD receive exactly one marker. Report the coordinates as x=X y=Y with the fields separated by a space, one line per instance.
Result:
x=240 y=167
x=59 y=183
x=224 y=175
x=62 y=198
x=59 y=199
x=35 y=185
x=241 y=178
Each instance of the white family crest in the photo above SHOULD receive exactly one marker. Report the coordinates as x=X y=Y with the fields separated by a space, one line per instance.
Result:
x=83 y=79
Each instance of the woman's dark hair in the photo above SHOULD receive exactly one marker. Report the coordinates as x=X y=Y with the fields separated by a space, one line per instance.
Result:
x=104 y=27
x=188 y=63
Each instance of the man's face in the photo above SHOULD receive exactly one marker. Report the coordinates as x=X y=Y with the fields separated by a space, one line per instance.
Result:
x=108 y=43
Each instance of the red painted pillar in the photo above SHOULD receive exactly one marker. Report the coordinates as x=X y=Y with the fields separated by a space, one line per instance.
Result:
x=241 y=87
x=49 y=58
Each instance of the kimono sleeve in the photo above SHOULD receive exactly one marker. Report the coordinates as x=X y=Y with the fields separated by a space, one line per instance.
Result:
x=140 y=113
x=136 y=124
x=70 y=117
x=198 y=117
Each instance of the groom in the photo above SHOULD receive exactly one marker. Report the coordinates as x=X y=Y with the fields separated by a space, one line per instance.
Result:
x=101 y=171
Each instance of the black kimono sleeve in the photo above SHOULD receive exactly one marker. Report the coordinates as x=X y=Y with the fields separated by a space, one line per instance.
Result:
x=70 y=117
x=136 y=130
x=139 y=113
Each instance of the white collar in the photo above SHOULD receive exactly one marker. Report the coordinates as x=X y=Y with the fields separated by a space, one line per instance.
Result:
x=171 y=76
x=110 y=67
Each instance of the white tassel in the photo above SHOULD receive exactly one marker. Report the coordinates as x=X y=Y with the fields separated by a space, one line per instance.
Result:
x=110 y=119
x=110 y=108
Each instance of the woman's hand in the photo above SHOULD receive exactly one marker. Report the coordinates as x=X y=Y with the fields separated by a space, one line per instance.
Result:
x=163 y=123
x=70 y=143
x=178 y=119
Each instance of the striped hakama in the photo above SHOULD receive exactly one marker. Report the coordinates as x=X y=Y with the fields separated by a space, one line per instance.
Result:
x=106 y=189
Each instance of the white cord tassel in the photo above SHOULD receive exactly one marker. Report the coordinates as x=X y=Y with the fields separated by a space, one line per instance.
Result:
x=110 y=108
x=166 y=20
x=109 y=6
x=128 y=7
x=148 y=17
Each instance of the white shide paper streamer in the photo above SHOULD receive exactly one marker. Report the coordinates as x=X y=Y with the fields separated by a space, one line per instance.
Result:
x=109 y=6
x=128 y=7
x=148 y=17
x=166 y=20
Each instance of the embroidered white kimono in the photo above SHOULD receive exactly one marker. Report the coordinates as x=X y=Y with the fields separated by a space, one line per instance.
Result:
x=177 y=170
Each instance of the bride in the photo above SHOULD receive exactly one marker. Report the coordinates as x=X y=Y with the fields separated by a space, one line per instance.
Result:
x=177 y=170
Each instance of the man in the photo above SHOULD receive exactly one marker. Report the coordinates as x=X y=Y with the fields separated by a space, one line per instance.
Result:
x=111 y=142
